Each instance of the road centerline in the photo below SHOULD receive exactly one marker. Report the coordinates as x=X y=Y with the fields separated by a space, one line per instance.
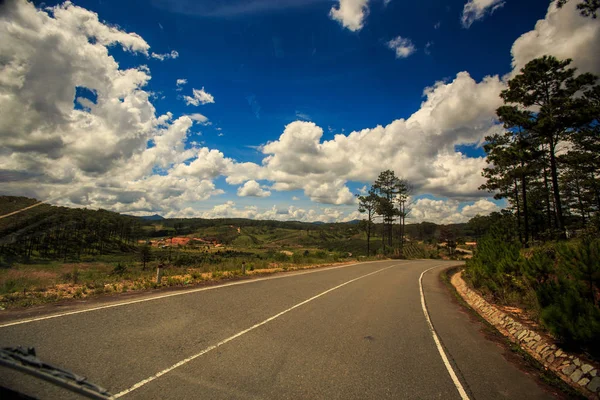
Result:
x=241 y=333
x=180 y=293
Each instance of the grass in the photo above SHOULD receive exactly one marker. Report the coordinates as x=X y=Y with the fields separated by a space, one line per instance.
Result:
x=27 y=284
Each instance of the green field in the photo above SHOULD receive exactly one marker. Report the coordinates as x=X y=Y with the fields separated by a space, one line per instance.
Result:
x=50 y=253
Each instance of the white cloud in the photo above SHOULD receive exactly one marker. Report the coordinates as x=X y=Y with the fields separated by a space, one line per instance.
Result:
x=475 y=10
x=172 y=55
x=448 y=211
x=252 y=189
x=199 y=97
x=199 y=118
x=101 y=158
x=180 y=83
x=563 y=33
x=98 y=156
x=303 y=116
x=420 y=149
x=403 y=47
x=229 y=209
x=427 y=49
x=350 y=13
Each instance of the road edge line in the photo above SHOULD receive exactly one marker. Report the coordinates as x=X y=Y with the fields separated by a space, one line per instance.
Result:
x=455 y=380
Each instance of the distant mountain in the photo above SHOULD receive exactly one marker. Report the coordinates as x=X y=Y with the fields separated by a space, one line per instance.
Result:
x=154 y=217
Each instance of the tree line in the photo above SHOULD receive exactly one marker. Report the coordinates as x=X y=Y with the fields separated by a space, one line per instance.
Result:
x=63 y=233
x=546 y=163
x=387 y=200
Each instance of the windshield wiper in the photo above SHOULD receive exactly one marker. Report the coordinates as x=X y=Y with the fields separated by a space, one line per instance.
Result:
x=25 y=360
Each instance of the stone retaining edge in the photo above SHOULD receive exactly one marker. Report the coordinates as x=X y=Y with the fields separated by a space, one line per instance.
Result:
x=580 y=374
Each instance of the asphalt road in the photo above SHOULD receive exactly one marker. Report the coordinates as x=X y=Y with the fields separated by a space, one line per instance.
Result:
x=357 y=332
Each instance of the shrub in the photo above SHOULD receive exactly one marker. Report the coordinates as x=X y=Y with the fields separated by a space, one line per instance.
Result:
x=71 y=276
x=560 y=283
x=567 y=292
x=119 y=269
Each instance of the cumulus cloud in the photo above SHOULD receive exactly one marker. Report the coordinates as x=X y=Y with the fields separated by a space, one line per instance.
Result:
x=420 y=148
x=166 y=56
x=199 y=97
x=252 y=189
x=199 y=118
x=229 y=209
x=99 y=155
x=563 y=33
x=448 y=211
x=180 y=83
x=475 y=10
x=350 y=13
x=115 y=152
x=403 y=47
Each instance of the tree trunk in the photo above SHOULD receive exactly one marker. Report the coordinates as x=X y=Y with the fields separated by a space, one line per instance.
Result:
x=525 y=213
x=581 y=207
x=518 y=211
x=554 y=171
x=547 y=194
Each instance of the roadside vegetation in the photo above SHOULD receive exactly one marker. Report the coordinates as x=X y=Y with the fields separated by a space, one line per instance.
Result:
x=52 y=253
x=542 y=254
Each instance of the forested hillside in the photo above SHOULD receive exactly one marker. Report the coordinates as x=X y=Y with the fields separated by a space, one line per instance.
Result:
x=67 y=234
x=61 y=233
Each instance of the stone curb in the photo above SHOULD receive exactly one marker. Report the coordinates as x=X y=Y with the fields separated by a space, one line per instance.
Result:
x=580 y=374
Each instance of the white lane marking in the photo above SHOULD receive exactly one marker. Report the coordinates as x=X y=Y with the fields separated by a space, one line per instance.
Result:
x=25 y=321
x=459 y=387
x=229 y=339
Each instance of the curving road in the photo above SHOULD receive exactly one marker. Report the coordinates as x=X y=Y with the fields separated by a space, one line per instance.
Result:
x=355 y=332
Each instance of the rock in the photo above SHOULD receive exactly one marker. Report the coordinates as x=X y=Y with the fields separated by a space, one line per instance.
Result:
x=577 y=362
x=594 y=385
x=569 y=369
x=558 y=352
x=594 y=372
x=583 y=381
x=537 y=337
x=586 y=368
x=550 y=358
x=576 y=376
x=540 y=347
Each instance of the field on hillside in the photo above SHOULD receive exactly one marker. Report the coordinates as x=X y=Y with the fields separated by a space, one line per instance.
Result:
x=49 y=253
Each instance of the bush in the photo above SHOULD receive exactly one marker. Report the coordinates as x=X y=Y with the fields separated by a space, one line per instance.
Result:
x=119 y=269
x=560 y=283
x=567 y=289
x=496 y=267
x=72 y=276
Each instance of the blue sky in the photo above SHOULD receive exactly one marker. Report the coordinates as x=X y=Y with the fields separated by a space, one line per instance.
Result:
x=297 y=60
x=268 y=65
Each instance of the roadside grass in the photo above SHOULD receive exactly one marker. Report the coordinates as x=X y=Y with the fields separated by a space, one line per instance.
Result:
x=28 y=284
x=520 y=355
